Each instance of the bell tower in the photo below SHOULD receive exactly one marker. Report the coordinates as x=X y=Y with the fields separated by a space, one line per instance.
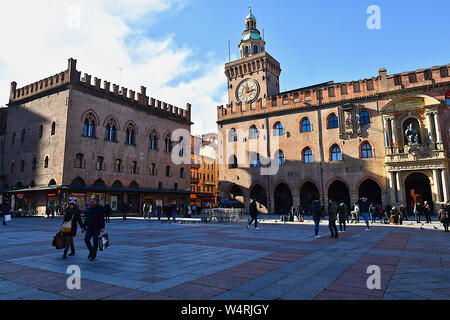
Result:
x=255 y=76
x=251 y=42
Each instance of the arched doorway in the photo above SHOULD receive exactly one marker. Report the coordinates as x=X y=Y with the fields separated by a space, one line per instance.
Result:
x=338 y=191
x=236 y=193
x=283 y=199
x=308 y=193
x=371 y=190
x=418 y=188
x=258 y=194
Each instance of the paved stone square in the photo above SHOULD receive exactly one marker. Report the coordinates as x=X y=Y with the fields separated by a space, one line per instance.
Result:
x=196 y=261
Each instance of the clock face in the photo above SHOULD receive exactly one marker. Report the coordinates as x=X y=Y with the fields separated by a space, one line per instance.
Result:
x=248 y=90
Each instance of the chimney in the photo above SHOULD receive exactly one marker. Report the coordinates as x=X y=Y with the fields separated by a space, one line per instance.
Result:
x=382 y=73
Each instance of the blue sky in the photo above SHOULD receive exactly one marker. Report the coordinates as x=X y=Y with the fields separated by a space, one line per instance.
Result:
x=178 y=48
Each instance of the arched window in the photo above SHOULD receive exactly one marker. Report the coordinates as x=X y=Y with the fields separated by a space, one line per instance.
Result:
x=255 y=49
x=54 y=129
x=13 y=165
x=130 y=135
x=305 y=125
x=255 y=161
x=168 y=171
x=153 y=169
x=41 y=131
x=279 y=130
x=99 y=164
x=333 y=122
x=79 y=157
x=447 y=98
x=181 y=172
x=22 y=165
x=364 y=118
x=308 y=156
x=134 y=167
x=46 y=162
x=111 y=130
x=168 y=143
x=118 y=165
x=281 y=158
x=89 y=126
x=366 y=151
x=154 y=140
x=253 y=132
x=246 y=50
x=336 y=154
x=232 y=135
x=233 y=163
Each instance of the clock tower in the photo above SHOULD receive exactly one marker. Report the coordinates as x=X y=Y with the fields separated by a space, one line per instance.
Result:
x=256 y=74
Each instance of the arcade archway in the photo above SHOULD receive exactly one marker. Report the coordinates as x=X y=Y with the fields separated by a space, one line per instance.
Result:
x=283 y=199
x=308 y=193
x=236 y=193
x=258 y=194
x=371 y=190
x=339 y=191
x=418 y=189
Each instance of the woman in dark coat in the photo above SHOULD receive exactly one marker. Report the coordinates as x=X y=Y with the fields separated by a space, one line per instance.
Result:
x=444 y=216
x=72 y=213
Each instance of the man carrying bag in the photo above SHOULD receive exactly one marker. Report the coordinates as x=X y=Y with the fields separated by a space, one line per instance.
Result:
x=94 y=225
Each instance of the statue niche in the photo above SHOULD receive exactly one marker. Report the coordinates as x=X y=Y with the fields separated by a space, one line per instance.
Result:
x=412 y=137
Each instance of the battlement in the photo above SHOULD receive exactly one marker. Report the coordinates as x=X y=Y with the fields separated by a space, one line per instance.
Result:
x=72 y=76
x=335 y=93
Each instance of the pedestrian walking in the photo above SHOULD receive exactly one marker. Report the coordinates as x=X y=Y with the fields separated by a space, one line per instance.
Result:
x=444 y=216
x=364 y=206
x=343 y=216
x=159 y=212
x=253 y=215
x=332 y=216
x=427 y=211
x=72 y=214
x=403 y=212
x=174 y=211
x=4 y=208
x=94 y=226
x=189 y=210
x=146 y=210
x=316 y=216
x=108 y=212
x=124 y=209
x=417 y=211
x=372 y=213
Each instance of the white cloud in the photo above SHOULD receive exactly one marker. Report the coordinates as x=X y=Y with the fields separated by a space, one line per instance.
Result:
x=39 y=36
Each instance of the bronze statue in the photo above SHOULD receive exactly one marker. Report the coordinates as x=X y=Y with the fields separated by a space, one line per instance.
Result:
x=412 y=135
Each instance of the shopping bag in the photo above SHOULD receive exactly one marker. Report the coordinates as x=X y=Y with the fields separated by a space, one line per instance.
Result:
x=7 y=217
x=66 y=227
x=103 y=242
x=59 y=242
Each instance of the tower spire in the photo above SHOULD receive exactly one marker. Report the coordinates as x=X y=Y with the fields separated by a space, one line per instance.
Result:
x=251 y=42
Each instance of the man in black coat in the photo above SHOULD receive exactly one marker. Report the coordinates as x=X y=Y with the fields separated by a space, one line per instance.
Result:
x=108 y=211
x=94 y=225
x=253 y=214
x=72 y=213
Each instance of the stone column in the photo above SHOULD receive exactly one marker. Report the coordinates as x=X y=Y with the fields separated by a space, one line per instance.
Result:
x=430 y=127
x=399 y=188
x=437 y=127
x=436 y=189
x=444 y=176
x=392 y=189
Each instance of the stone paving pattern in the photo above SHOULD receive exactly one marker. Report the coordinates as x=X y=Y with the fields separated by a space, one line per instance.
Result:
x=194 y=261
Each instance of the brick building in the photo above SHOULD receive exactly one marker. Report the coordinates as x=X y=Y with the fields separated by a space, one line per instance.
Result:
x=204 y=171
x=70 y=138
x=332 y=140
